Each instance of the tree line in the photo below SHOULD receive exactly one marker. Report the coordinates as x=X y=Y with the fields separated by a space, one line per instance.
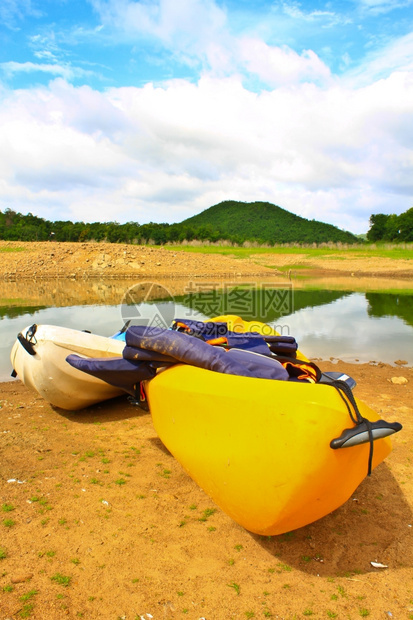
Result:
x=17 y=227
x=391 y=227
x=236 y=223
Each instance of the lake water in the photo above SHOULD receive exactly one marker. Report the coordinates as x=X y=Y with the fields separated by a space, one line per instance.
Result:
x=340 y=324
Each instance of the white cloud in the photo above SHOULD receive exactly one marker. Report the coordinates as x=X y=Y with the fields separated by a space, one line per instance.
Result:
x=377 y=7
x=44 y=46
x=197 y=33
x=332 y=153
x=68 y=72
x=12 y=11
x=281 y=65
x=327 y=18
x=396 y=56
x=191 y=29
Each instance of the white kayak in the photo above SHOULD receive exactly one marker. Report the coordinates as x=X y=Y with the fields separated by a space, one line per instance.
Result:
x=39 y=356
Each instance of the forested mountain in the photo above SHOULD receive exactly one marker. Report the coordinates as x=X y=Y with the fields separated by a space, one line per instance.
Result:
x=233 y=221
x=266 y=223
x=391 y=227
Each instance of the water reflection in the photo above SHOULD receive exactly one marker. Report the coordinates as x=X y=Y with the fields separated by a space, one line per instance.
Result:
x=263 y=302
x=327 y=323
x=347 y=330
x=401 y=306
x=59 y=293
x=11 y=312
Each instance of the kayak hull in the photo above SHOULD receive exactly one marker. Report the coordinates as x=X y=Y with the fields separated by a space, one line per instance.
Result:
x=47 y=372
x=261 y=449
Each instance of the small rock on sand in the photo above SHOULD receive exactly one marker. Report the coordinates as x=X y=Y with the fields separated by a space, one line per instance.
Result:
x=21 y=578
x=398 y=380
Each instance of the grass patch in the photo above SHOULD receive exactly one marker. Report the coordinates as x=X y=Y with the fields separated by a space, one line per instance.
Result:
x=374 y=250
x=284 y=567
x=62 y=580
x=235 y=586
x=28 y=595
x=165 y=473
x=208 y=512
x=14 y=249
x=26 y=611
x=7 y=507
x=342 y=591
x=49 y=554
x=287 y=268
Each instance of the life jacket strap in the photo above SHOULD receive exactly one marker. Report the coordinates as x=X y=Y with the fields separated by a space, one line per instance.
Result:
x=139 y=399
x=300 y=370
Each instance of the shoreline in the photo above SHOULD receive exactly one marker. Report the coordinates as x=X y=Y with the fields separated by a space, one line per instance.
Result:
x=94 y=261
x=303 y=273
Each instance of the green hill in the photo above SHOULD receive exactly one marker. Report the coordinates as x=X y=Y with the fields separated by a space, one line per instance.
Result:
x=231 y=220
x=265 y=223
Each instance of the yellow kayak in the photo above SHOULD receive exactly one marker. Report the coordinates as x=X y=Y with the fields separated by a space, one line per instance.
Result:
x=261 y=448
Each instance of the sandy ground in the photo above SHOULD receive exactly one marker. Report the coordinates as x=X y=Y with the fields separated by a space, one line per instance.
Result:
x=106 y=260
x=343 y=264
x=98 y=520
x=19 y=260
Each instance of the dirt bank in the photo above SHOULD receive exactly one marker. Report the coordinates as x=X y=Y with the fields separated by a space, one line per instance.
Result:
x=343 y=264
x=98 y=520
x=49 y=260
x=52 y=260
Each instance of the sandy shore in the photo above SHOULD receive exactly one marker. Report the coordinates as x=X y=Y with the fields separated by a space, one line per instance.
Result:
x=51 y=260
x=98 y=520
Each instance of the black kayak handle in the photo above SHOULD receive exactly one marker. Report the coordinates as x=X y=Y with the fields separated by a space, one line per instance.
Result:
x=360 y=433
x=29 y=340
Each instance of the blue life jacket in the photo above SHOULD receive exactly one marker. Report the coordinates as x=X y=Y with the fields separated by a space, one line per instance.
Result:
x=148 y=348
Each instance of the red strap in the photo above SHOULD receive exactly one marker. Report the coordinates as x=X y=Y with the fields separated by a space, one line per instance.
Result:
x=302 y=371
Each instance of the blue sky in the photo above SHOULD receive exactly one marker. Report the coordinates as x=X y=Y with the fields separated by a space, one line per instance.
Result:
x=119 y=110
